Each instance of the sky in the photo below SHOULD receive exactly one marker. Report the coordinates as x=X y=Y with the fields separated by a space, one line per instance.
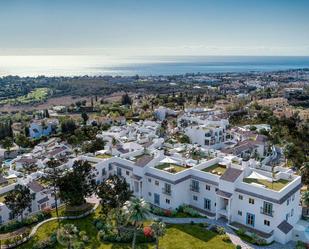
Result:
x=154 y=27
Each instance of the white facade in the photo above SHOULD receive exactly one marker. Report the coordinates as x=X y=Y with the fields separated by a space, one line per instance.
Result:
x=252 y=206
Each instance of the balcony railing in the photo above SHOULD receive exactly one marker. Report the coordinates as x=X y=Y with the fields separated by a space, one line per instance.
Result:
x=195 y=188
x=267 y=212
x=166 y=191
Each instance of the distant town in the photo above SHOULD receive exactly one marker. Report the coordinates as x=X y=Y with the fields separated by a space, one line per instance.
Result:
x=217 y=160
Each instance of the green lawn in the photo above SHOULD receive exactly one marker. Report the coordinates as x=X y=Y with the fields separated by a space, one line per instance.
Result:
x=178 y=236
x=36 y=95
x=277 y=185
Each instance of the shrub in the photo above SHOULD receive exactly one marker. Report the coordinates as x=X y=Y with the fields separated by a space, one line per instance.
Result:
x=241 y=231
x=15 y=224
x=148 y=231
x=225 y=238
x=167 y=213
x=190 y=211
x=218 y=229
x=238 y=247
x=44 y=244
x=300 y=245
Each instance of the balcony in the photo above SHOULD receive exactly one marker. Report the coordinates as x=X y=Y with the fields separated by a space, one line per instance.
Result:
x=166 y=191
x=267 y=212
x=194 y=188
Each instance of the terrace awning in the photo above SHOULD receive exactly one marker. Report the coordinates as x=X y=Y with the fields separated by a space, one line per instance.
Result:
x=255 y=175
x=169 y=160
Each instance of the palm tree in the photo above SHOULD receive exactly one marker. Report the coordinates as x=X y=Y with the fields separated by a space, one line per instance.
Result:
x=137 y=211
x=305 y=198
x=158 y=229
x=67 y=235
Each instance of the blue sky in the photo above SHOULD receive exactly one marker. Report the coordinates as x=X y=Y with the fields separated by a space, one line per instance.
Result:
x=155 y=27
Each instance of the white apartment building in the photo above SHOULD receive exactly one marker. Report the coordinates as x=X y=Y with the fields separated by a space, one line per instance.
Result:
x=241 y=194
x=209 y=132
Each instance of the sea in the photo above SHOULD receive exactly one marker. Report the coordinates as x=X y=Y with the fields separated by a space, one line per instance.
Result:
x=97 y=65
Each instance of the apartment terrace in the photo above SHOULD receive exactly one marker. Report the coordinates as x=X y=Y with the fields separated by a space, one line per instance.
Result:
x=276 y=185
x=171 y=167
x=103 y=156
x=216 y=169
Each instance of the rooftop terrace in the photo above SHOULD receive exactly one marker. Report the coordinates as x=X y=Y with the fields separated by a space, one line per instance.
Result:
x=217 y=169
x=276 y=185
x=171 y=168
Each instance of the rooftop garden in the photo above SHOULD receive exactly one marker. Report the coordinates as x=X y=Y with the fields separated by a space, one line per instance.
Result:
x=276 y=185
x=217 y=169
x=171 y=168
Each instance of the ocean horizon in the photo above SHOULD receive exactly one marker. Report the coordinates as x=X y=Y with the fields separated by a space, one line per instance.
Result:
x=80 y=65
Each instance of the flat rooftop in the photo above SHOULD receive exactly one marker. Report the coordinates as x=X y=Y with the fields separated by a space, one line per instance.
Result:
x=276 y=185
x=171 y=168
x=216 y=169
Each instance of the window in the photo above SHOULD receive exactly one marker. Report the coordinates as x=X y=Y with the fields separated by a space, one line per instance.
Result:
x=156 y=199
x=167 y=189
x=168 y=201
x=103 y=172
x=293 y=197
x=127 y=173
x=207 y=204
x=11 y=216
x=250 y=219
x=239 y=213
x=110 y=167
x=149 y=193
x=157 y=183
x=195 y=186
x=267 y=208
x=207 y=187
x=149 y=179
x=288 y=202
x=292 y=212
x=195 y=198
x=266 y=222
x=251 y=200
x=216 y=189
x=119 y=172
x=240 y=197
x=287 y=216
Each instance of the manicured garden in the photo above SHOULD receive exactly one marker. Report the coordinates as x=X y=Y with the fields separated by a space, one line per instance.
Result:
x=177 y=236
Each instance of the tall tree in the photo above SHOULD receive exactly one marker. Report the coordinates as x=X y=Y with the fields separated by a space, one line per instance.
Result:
x=126 y=100
x=113 y=193
x=305 y=173
x=85 y=117
x=305 y=198
x=76 y=185
x=7 y=143
x=137 y=211
x=52 y=174
x=18 y=200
